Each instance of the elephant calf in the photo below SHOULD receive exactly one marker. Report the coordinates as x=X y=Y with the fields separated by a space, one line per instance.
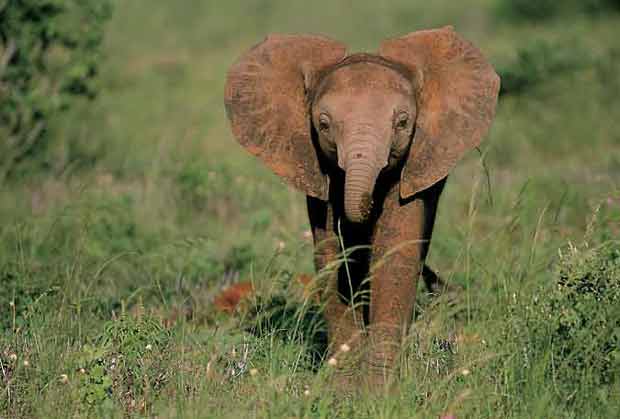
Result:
x=370 y=139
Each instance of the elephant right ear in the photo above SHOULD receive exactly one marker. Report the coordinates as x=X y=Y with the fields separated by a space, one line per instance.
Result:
x=456 y=96
x=267 y=104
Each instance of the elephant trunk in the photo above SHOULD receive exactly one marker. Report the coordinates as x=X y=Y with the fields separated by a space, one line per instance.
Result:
x=361 y=173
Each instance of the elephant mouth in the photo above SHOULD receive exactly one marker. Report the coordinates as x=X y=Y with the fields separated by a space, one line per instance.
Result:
x=358 y=194
x=366 y=204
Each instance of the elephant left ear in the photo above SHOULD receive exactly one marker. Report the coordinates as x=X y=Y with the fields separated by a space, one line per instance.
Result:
x=456 y=95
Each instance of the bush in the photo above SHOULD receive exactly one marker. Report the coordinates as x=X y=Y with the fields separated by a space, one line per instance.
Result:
x=574 y=328
x=127 y=364
x=600 y=6
x=529 y=9
x=540 y=10
x=49 y=54
x=540 y=61
x=22 y=296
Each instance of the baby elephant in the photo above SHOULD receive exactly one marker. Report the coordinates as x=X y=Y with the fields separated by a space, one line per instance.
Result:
x=370 y=139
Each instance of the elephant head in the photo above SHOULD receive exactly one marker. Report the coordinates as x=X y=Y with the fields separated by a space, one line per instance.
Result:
x=299 y=102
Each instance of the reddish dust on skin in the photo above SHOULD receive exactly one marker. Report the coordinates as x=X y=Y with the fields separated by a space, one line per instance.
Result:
x=266 y=100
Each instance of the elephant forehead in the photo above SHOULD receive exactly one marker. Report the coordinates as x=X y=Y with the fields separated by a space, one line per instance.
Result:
x=371 y=103
x=363 y=77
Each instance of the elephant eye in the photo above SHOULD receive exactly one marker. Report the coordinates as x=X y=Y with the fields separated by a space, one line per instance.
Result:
x=401 y=121
x=323 y=123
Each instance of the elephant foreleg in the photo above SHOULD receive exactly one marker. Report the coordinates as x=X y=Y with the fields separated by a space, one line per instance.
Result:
x=400 y=243
x=344 y=321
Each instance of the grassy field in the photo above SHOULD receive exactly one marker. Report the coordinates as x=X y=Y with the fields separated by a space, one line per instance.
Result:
x=109 y=266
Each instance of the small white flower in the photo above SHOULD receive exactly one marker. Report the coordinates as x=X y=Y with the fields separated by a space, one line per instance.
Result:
x=332 y=362
x=281 y=245
x=26 y=363
x=64 y=378
x=465 y=372
x=13 y=357
x=11 y=303
x=82 y=371
x=345 y=348
x=306 y=392
x=149 y=347
x=253 y=372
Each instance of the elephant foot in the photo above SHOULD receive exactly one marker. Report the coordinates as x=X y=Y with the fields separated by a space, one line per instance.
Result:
x=380 y=367
x=344 y=382
x=378 y=380
x=344 y=362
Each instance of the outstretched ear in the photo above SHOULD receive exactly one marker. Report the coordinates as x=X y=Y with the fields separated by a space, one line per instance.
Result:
x=267 y=103
x=456 y=95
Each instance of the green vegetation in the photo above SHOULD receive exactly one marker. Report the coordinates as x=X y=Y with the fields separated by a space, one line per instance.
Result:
x=113 y=250
x=540 y=61
x=545 y=9
x=49 y=54
x=580 y=320
x=566 y=333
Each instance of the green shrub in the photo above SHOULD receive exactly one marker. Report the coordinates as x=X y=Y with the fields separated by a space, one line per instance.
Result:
x=22 y=296
x=206 y=187
x=49 y=54
x=574 y=328
x=128 y=364
x=529 y=9
x=600 y=6
x=538 y=62
x=540 y=10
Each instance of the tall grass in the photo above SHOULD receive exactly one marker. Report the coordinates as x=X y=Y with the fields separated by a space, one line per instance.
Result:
x=108 y=271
